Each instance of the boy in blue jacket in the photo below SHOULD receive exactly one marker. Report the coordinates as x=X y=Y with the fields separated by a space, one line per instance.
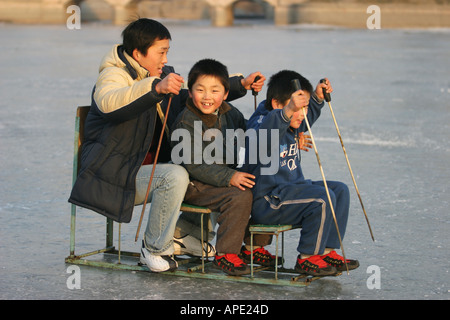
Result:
x=286 y=197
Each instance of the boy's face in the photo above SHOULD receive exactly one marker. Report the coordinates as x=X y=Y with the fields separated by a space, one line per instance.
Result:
x=155 y=59
x=298 y=116
x=208 y=93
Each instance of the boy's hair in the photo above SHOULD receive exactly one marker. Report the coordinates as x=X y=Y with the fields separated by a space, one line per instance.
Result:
x=281 y=88
x=142 y=33
x=209 y=67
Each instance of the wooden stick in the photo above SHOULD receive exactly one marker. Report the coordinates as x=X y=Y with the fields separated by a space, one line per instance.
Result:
x=297 y=86
x=351 y=172
x=154 y=166
x=326 y=188
x=327 y=97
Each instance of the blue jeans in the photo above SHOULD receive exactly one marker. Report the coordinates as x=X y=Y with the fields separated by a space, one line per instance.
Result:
x=167 y=192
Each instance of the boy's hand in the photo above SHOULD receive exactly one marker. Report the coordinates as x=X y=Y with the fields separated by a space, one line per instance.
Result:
x=170 y=84
x=248 y=84
x=299 y=100
x=304 y=142
x=320 y=86
x=242 y=179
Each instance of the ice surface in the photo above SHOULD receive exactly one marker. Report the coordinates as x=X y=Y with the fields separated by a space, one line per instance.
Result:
x=391 y=100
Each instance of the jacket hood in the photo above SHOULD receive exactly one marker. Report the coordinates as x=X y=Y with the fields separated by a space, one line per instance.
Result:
x=117 y=57
x=258 y=115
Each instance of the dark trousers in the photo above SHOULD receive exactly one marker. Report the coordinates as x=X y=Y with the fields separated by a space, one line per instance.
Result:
x=234 y=207
x=307 y=205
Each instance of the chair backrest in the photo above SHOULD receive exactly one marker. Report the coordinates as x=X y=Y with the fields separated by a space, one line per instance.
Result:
x=80 y=118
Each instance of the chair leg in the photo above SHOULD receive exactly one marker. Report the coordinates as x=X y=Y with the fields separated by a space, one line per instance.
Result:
x=282 y=250
x=120 y=234
x=251 y=254
x=109 y=232
x=276 y=258
x=201 y=237
x=72 y=230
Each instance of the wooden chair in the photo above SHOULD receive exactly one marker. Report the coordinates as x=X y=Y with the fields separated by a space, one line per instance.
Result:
x=81 y=114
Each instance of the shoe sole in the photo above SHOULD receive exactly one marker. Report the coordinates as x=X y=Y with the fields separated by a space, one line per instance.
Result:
x=272 y=264
x=320 y=273
x=350 y=267
x=233 y=273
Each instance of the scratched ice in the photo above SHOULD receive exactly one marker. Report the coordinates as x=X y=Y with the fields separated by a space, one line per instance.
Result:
x=391 y=100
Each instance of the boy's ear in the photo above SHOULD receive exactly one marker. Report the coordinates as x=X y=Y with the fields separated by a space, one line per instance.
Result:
x=190 y=94
x=136 y=55
x=226 y=95
x=276 y=104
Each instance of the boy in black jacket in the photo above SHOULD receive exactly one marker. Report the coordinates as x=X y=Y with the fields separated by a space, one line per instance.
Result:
x=215 y=183
x=121 y=134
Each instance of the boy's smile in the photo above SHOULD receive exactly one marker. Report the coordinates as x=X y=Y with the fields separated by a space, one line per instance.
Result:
x=208 y=93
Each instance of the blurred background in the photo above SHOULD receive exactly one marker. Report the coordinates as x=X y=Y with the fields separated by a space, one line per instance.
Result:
x=348 y=13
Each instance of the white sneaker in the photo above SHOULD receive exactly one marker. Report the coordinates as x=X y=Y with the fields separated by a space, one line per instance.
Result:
x=157 y=263
x=190 y=245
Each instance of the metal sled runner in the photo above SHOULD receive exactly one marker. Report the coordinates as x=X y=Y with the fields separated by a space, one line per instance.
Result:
x=196 y=267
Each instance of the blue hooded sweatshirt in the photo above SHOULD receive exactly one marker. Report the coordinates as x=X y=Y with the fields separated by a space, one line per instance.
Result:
x=289 y=169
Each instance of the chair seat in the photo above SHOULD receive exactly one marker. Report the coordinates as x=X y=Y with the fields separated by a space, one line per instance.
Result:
x=191 y=208
x=272 y=228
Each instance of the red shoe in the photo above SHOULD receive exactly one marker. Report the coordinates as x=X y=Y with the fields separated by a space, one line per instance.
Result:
x=260 y=256
x=337 y=261
x=314 y=266
x=231 y=264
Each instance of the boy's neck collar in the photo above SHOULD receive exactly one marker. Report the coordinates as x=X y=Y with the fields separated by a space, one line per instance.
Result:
x=208 y=119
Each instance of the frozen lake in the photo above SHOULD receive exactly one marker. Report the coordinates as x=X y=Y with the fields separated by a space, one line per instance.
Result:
x=392 y=103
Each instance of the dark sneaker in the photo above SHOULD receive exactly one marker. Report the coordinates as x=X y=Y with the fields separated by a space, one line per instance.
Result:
x=337 y=261
x=260 y=256
x=231 y=264
x=189 y=245
x=314 y=266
